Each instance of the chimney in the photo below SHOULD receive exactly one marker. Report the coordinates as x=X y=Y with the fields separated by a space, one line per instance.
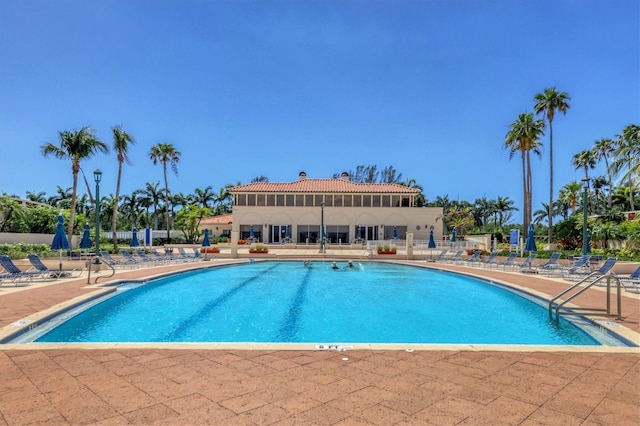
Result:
x=344 y=176
x=302 y=176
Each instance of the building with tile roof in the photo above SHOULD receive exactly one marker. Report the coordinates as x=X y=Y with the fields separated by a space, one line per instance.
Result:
x=277 y=212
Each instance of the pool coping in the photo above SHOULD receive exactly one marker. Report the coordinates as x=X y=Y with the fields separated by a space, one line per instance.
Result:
x=24 y=325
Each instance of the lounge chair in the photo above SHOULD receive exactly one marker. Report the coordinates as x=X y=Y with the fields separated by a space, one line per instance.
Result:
x=44 y=271
x=440 y=257
x=147 y=259
x=632 y=282
x=128 y=256
x=185 y=255
x=474 y=258
x=552 y=265
x=109 y=260
x=527 y=264
x=580 y=268
x=510 y=261
x=457 y=257
x=605 y=269
x=155 y=254
x=13 y=274
x=491 y=260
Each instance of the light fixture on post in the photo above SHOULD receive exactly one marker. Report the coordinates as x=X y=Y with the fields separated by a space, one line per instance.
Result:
x=97 y=177
x=585 y=202
x=321 y=227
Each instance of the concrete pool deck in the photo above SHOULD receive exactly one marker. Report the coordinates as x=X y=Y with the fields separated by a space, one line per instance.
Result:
x=279 y=385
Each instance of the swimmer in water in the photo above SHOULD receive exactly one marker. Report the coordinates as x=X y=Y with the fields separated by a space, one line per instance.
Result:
x=350 y=264
x=334 y=265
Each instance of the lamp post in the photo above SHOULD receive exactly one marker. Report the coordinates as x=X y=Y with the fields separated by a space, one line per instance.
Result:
x=321 y=227
x=97 y=177
x=585 y=231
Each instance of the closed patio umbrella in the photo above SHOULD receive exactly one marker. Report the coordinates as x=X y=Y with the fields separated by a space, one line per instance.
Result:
x=432 y=243
x=134 y=238
x=85 y=243
x=531 y=242
x=395 y=233
x=205 y=241
x=251 y=234
x=453 y=235
x=287 y=233
x=60 y=241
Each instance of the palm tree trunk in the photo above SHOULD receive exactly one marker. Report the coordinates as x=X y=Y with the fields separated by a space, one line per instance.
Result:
x=166 y=201
x=550 y=217
x=524 y=191
x=114 y=218
x=72 y=214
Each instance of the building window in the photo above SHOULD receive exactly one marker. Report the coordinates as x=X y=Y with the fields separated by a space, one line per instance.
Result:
x=271 y=200
x=308 y=200
x=251 y=199
x=260 y=200
x=357 y=200
x=319 y=199
x=366 y=200
x=241 y=200
x=299 y=200
x=328 y=200
x=289 y=200
x=347 y=200
x=406 y=201
x=395 y=201
x=337 y=200
x=280 y=200
x=308 y=234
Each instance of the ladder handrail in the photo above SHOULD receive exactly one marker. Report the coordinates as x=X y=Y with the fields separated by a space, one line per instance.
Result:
x=600 y=277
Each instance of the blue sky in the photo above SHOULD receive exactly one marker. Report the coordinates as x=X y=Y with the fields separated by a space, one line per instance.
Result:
x=250 y=88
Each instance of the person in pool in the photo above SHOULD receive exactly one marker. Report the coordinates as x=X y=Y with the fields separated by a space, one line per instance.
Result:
x=334 y=265
x=350 y=264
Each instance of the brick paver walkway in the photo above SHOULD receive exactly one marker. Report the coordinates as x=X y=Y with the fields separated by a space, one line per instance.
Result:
x=298 y=387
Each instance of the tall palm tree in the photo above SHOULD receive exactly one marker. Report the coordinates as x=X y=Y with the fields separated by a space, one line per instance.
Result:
x=603 y=149
x=121 y=143
x=204 y=196
x=152 y=193
x=166 y=153
x=569 y=194
x=504 y=207
x=524 y=137
x=547 y=103
x=77 y=146
x=627 y=158
x=585 y=160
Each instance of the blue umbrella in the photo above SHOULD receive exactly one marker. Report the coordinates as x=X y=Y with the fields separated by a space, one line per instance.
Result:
x=60 y=241
x=251 y=235
x=395 y=233
x=134 y=238
x=205 y=241
x=531 y=242
x=453 y=235
x=432 y=242
x=359 y=235
x=287 y=233
x=85 y=243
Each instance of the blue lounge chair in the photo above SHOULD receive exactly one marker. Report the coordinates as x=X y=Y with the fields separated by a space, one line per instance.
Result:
x=147 y=259
x=491 y=260
x=13 y=274
x=127 y=256
x=552 y=265
x=457 y=257
x=632 y=282
x=510 y=261
x=474 y=258
x=109 y=260
x=441 y=256
x=580 y=268
x=44 y=271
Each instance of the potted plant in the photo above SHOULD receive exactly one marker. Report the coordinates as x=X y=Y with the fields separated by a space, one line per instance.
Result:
x=259 y=248
x=210 y=249
x=386 y=249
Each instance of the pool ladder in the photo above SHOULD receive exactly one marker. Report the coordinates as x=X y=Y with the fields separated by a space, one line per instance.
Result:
x=556 y=305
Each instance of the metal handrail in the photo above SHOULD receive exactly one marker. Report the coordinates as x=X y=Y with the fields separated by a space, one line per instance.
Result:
x=113 y=269
x=600 y=277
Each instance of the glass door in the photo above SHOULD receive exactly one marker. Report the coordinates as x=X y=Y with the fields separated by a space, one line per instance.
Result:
x=278 y=233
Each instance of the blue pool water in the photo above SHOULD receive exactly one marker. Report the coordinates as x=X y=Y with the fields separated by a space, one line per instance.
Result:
x=287 y=302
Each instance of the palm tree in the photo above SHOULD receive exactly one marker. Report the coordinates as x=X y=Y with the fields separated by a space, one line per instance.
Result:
x=627 y=158
x=603 y=149
x=547 y=103
x=153 y=193
x=484 y=209
x=504 y=207
x=586 y=160
x=224 y=199
x=60 y=199
x=419 y=200
x=204 y=196
x=37 y=197
x=524 y=136
x=166 y=153
x=121 y=142
x=77 y=146
x=569 y=194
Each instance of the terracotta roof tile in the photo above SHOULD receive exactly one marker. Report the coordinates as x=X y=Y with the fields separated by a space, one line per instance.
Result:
x=325 y=186
x=220 y=219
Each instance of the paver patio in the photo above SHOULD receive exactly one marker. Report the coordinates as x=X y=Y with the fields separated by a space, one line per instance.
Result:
x=188 y=384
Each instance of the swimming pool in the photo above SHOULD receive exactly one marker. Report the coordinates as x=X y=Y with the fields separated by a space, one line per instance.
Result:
x=288 y=302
